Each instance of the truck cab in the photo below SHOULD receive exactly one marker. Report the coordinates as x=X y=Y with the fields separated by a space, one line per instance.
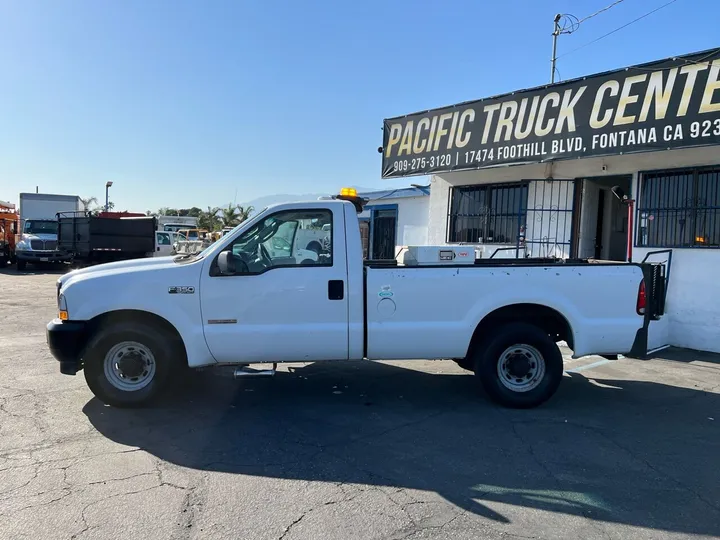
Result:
x=257 y=296
x=38 y=243
x=38 y=238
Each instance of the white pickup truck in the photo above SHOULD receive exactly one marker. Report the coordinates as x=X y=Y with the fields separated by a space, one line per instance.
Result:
x=132 y=325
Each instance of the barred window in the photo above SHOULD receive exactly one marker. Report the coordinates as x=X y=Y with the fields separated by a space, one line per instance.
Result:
x=487 y=214
x=680 y=208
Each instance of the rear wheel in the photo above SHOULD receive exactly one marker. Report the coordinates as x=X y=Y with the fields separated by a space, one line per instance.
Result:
x=520 y=366
x=129 y=365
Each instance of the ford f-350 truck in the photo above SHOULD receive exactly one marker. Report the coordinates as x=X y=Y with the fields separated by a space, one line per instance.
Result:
x=132 y=325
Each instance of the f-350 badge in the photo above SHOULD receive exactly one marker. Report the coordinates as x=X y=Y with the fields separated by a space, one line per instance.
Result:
x=181 y=290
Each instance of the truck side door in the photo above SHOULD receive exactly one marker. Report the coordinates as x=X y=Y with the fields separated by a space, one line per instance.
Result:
x=163 y=244
x=262 y=304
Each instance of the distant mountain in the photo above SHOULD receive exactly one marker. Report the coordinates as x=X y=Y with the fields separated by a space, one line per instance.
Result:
x=267 y=200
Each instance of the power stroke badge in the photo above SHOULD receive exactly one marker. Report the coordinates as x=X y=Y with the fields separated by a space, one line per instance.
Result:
x=181 y=290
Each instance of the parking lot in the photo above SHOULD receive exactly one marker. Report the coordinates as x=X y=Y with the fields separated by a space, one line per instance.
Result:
x=626 y=449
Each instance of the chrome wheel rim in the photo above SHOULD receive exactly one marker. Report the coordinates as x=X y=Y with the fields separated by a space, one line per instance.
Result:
x=130 y=366
x=521 y=368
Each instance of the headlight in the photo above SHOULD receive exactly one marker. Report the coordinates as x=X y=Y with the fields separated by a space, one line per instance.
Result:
x=62 y=308
x=23 y=245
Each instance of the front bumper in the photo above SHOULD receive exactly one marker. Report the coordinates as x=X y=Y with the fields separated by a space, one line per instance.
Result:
x=66 y=341
x=43 y=256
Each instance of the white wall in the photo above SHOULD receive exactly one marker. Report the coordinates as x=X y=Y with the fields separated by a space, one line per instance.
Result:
x=413 y=215
x=693 y=303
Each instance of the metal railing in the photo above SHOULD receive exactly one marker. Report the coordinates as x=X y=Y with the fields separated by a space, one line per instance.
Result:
x=533 y=218
x=679 y=208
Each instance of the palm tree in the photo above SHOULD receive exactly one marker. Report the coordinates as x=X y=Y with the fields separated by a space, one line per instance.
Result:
x=234 y=215
x=87 y=202
x=244 y=212
x=229 y=216
x=208 y=220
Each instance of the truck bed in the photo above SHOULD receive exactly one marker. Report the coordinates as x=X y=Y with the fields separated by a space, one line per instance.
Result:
x=85 y=236
x=409 y=316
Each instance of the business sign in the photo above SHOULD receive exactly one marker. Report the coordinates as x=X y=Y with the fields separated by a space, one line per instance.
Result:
x=671 y=103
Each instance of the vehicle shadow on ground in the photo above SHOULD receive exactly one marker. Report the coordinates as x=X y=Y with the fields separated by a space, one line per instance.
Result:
x=627 y=452
x=687 y=355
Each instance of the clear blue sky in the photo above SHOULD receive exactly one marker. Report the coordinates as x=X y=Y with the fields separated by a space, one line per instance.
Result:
x=182 y=102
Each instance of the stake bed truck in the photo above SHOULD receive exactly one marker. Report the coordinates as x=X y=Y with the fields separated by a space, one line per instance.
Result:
x=133 y=325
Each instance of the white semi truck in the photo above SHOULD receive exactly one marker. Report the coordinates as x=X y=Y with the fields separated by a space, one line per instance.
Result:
x=132 y=325
x=39 y=227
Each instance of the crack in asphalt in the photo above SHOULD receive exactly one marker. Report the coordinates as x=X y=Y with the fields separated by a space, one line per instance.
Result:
x=86 y=526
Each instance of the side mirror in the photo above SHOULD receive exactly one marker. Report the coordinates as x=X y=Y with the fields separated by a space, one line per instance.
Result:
x=226 y=263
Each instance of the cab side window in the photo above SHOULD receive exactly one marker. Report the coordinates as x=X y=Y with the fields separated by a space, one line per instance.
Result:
x=163 y=239
x=290 y=238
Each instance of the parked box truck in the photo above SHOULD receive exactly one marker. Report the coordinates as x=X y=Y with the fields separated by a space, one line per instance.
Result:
x=39 y=227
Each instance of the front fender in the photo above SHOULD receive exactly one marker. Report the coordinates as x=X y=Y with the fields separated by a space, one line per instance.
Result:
x=171 y=293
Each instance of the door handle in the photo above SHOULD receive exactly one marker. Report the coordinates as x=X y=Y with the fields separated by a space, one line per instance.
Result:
x=336 y=289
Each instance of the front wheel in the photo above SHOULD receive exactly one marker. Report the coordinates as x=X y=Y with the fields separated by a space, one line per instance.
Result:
x=21 y=265
x=128 y=365
x=520 y=366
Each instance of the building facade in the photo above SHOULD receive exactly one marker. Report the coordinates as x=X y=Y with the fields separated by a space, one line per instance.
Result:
x=554 y=198
x=393 y=219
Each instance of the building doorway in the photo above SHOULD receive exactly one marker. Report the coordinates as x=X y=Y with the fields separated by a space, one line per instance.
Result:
x=383 y=232
x=603 y=223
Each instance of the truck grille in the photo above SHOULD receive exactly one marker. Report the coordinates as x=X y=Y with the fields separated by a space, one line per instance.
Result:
x=43 y=245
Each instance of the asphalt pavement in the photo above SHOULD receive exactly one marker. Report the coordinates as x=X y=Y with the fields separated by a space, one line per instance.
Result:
x=386 y=450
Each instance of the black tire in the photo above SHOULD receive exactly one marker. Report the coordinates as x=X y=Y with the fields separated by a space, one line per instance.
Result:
x=315 y=246
x=530 y=340
x=157 y=342
x=21 y=265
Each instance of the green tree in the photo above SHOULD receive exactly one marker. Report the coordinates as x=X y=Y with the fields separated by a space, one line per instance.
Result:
x=244 y=212
x=234 y=215
x=209 y=219
x=229 y=216
x=88 y=203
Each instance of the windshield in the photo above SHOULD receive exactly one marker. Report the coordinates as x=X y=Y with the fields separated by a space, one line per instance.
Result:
x=174 y=227
x=40 y=227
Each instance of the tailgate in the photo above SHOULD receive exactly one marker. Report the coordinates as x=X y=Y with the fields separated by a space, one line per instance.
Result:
x=656 y=273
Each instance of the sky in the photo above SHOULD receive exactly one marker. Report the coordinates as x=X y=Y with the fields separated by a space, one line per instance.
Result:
x=203 y=102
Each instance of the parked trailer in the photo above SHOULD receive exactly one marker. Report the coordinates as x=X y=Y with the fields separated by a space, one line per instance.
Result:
x=93 y=239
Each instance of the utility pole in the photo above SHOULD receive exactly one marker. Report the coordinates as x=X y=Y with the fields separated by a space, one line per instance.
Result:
x=555 y=34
